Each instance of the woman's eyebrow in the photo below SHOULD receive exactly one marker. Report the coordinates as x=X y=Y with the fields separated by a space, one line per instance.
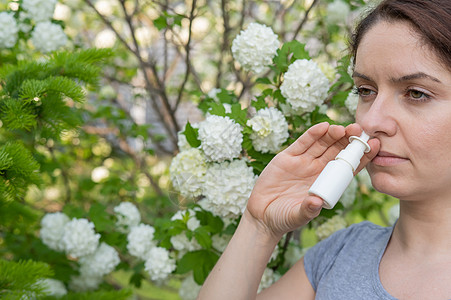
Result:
x=357 y=74
x=419 y=75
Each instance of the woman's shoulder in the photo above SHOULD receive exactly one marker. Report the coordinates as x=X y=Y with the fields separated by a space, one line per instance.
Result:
x=355 y=239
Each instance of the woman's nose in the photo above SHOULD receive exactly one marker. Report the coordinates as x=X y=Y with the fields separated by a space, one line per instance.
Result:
x=378 y=117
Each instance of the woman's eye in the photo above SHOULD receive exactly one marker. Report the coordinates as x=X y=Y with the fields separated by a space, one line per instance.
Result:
x=364 y=92
x=417 y=95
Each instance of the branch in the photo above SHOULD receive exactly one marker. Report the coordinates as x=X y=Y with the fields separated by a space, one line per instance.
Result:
x=304 y=20
x=187 y=58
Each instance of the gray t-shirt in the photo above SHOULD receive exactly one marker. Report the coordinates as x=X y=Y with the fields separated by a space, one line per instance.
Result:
x=346 y=265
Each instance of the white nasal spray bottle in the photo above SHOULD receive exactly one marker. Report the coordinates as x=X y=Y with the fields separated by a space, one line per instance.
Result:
x=338 y=174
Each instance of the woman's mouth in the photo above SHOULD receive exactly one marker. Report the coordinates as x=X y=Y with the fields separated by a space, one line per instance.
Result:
x=385 y=159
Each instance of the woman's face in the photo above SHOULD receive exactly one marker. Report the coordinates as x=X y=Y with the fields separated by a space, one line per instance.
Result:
x=405 y=102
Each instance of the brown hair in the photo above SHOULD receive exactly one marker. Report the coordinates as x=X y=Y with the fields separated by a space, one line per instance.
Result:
x=431 y=19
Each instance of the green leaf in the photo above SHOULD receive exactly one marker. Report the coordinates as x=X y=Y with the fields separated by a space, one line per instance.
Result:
x=98 y=215
x=238 y=114
x=263 y=80
x=201 y=262
x=289 y=52
x=259 y=103
x=191 y=135
x=203 y=237
x=136 y=279
x=160 y=22
x=212 y=223
x=217 y=109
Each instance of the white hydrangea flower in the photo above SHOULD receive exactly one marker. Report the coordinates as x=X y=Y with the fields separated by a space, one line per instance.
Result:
x=220 y=138
x=268 y=279
x=304 y=85
x=48 y=37
x=348 y=197
x=140 y=240
x=127 y=215
x=52 y=287
x=255 y=47
x=8 y=30
x=351 y=102
x=180 y=242
x=102 y=262
x=39 y=10
x=158 y=264
x=84 y=283
x=182 y=142
x=187 y=171
x=52 y=229
x=333 y=224
x=227 y=187
x=79 y=238
x=270 y=130
x=293 y=254
x=220 y=242
x=213 y=94
x=393 y=213
x=337 y=12
x=189 y=289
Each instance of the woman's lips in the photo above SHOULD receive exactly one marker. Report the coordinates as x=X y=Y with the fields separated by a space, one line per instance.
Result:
x=385 y=159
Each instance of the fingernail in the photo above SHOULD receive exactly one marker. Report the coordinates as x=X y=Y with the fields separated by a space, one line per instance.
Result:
x=314 y=208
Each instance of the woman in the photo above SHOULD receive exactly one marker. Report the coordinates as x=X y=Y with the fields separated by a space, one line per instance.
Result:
x=402 y=72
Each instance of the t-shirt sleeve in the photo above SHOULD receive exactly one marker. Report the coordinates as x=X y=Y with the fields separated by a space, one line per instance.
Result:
x=320 y=258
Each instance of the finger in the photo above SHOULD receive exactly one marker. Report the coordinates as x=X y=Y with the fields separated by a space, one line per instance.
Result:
x=333 y=134
x=306 y=140
x=314 y=144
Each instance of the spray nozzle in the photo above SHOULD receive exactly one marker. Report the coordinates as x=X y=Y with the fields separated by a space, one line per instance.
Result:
x=354 y=151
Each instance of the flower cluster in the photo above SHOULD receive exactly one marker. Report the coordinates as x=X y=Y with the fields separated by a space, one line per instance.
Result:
x=227 y=187
x=270 y=130
x=304 y=85
x=37 y=16
x=187 y=172
x=255 y=47
x=52 y=229
x=351 y=102
x=220 y=138
x=8 y=30
x=189 y=289
x=337 y=12
x=52 y=287
x=48 y=37
x=333 y=224
x=159 y=264
x=140 y=240
x=77 y=237
x=214 y=171
x=127 y=216
x=39 y=10
x=102 y=262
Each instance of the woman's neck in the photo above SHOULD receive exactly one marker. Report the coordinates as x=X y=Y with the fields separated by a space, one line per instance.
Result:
x=423 y=228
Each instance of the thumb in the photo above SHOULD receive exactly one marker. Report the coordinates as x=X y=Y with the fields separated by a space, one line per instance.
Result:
x=310 y=208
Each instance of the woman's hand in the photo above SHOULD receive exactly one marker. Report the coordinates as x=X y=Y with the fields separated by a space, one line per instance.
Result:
x=280 y=200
